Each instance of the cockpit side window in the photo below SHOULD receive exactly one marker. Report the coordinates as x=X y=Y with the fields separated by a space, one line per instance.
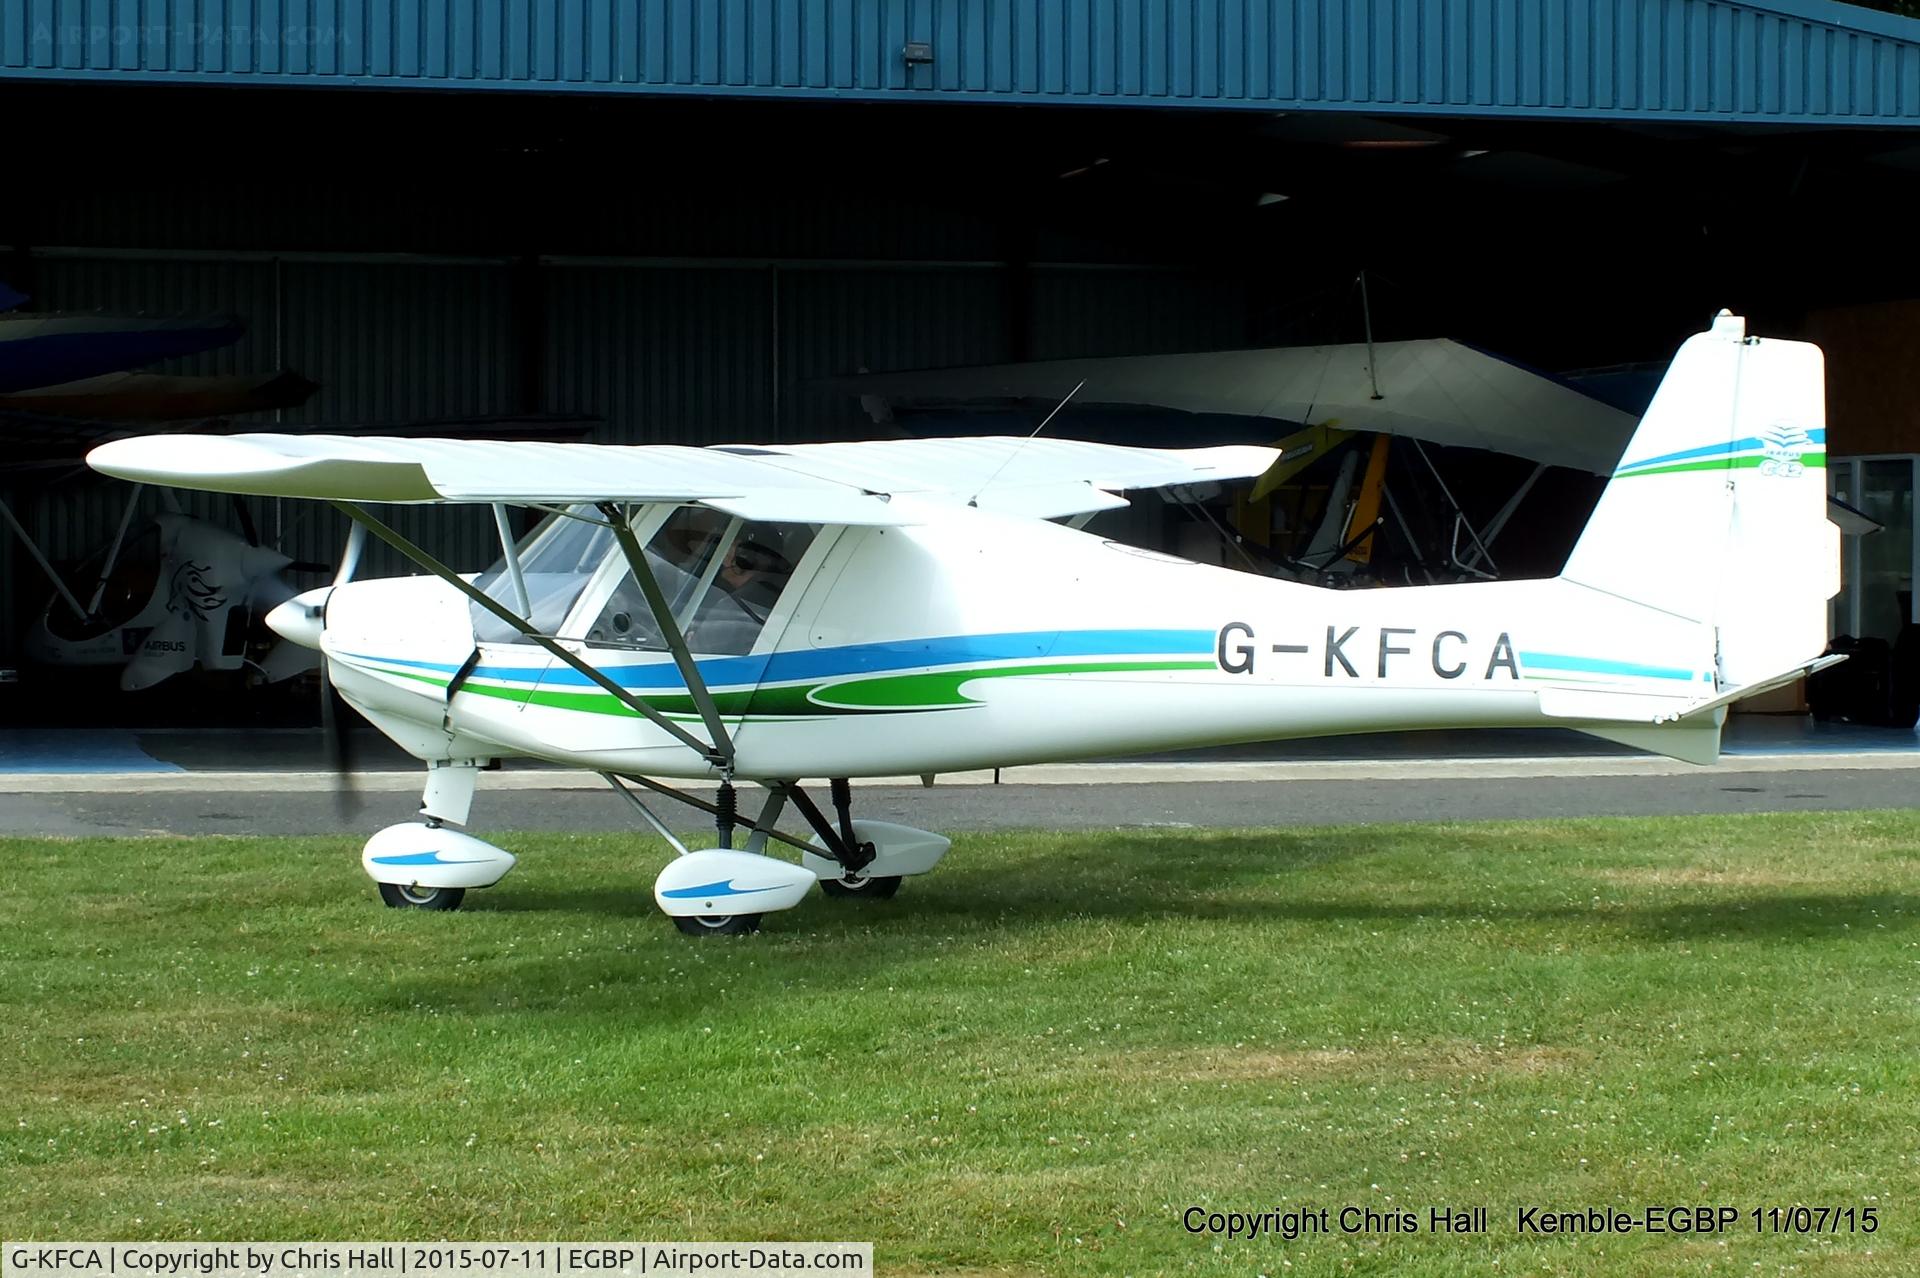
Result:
x=123 y=595
x=721 y=578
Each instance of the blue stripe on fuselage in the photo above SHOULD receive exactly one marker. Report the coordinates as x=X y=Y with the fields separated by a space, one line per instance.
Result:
x=853 y=659
x=1545 y=661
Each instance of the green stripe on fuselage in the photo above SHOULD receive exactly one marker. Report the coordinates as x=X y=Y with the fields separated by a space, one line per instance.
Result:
x=885 y=694
x=941 y=689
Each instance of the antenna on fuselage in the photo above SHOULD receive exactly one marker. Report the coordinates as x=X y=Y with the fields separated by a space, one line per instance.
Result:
x=975 y=499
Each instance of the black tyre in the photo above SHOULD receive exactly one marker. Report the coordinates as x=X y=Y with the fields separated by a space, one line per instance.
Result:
x=717 y=924
x=404 y=896
x=879 y=888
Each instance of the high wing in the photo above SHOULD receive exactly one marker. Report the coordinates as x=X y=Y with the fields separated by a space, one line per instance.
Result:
x=1043 y=478
x=1437 y=390
x=851 y=483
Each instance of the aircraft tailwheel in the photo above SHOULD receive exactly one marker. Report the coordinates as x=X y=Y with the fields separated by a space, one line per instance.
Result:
x=880 y=887
x=406 y=896
x=717 y=924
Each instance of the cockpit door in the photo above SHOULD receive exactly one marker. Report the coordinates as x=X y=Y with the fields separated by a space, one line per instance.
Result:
x=729 y=586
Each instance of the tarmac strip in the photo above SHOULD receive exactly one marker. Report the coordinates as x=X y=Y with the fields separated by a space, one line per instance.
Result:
x=1062 y=774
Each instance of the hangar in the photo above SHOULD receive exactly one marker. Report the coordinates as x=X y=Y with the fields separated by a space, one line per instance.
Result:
x=682 y=220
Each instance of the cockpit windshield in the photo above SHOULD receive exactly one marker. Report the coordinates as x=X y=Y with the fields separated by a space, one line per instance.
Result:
x=720 y=577
x=557 y=559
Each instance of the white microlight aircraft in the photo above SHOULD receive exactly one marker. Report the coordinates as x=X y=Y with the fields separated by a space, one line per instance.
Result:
x=874 y=609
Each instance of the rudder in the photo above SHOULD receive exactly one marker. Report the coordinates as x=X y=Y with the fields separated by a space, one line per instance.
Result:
x=1717 y=512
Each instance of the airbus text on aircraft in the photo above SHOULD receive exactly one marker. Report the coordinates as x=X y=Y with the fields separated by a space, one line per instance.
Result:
x=782 y=613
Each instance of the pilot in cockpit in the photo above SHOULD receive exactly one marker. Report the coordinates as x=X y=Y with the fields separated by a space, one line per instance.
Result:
x=748 y=583
x=755 y=574
x=722 y=606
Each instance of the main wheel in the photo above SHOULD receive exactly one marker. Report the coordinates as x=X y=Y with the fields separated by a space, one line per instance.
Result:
x=879 y=888
x=717 y=924
x=408 y=896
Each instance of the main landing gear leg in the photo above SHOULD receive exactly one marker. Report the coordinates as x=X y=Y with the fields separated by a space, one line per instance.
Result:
x=726 y=814
x=863 y=858
x=697 y=887
x=853 y=855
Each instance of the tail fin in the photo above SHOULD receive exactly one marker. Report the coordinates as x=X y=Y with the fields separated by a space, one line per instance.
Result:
x=1717 y=512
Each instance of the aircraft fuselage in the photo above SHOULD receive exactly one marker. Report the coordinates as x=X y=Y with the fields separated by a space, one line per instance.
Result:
x=973 y=640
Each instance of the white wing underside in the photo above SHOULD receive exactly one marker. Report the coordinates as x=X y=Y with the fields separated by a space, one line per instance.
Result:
x=851 y=483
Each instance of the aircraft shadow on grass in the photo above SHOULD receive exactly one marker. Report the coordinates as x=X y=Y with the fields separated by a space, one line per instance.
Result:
x=1219 y=878
x=1108 y=875
x=1244 y=881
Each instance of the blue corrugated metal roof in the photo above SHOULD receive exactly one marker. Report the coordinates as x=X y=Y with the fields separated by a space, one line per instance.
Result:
x=1780 y=61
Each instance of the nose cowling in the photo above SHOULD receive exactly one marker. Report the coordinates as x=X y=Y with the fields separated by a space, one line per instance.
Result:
x=301 y=618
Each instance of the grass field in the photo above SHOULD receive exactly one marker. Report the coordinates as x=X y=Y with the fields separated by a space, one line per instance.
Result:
x=1031 y=1061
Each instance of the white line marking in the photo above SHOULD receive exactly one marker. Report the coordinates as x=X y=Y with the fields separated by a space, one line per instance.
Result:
x=1038 y=774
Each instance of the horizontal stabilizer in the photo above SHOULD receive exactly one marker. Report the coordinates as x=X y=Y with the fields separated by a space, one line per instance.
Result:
x=1605 y=706
x=1674 y=726
x=1768 y=684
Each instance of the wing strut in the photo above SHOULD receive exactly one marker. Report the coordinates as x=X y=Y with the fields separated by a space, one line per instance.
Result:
x=669 y=630
x=720 y=754
x=760 y=826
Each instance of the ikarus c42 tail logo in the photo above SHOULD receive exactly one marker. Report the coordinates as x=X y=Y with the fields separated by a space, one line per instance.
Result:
x=1782 y=445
